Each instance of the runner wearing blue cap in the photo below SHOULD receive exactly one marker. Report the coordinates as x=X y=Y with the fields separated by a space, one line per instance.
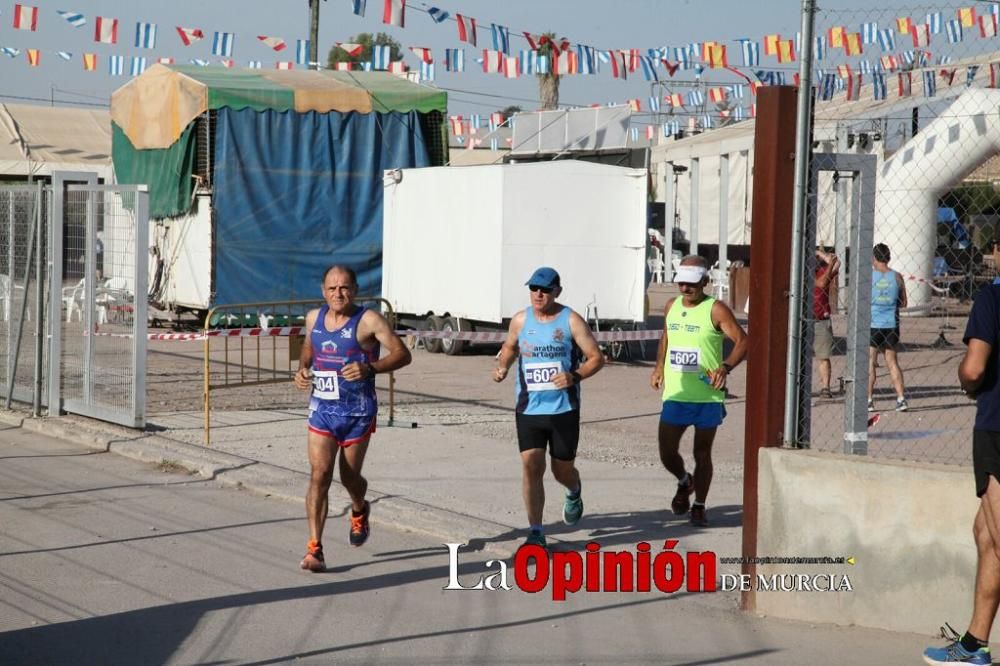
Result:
x=555 y=351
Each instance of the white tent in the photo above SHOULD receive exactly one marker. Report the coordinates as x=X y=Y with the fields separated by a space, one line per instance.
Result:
x=37 y=140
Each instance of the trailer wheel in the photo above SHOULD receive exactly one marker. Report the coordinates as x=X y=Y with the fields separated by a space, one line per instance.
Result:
x=433 y=345
x=451 y=347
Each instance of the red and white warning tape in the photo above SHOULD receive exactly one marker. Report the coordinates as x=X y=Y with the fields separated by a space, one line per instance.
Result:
x=936 y=289
x=471 y=336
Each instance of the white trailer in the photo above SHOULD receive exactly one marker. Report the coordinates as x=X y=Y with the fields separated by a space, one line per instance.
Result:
x=459 y=243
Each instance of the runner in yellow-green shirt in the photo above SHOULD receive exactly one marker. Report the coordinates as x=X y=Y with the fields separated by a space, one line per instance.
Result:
x=692 y=373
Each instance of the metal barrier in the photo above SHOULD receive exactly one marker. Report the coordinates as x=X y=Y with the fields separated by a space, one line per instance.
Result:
x=253 y=321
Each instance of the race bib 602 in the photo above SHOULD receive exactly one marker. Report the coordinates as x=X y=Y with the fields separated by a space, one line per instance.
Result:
x=685 y=359
x=540 y=376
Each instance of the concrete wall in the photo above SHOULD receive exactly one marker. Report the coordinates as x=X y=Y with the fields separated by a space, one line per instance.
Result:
x=908 y=525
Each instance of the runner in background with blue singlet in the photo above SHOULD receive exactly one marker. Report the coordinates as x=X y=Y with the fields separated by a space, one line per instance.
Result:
x=555 y=351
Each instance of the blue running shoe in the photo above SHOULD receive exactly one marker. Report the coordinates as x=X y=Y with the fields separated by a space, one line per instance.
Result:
x=573 y=508
x=954 y=653
x=536 y=539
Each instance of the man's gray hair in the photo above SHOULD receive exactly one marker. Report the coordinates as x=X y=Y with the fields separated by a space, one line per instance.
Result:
x=695 y=260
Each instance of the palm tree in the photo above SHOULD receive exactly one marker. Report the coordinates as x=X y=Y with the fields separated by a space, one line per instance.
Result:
x=548 y=84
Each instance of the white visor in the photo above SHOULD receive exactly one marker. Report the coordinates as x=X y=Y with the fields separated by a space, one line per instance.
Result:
x=689 y=274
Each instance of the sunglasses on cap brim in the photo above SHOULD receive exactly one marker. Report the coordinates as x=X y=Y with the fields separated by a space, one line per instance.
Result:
x=544 y=290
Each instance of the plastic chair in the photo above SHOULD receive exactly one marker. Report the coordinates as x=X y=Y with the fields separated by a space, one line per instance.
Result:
x=72 y=298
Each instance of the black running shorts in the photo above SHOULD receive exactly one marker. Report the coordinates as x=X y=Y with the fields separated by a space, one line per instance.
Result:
x=559 y=432
x=985 y=458
x=884 y=338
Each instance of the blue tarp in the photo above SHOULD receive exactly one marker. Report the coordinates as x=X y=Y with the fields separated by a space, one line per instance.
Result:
x=296 y=192
x=947 y=216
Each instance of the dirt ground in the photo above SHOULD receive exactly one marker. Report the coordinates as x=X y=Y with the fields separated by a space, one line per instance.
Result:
x=619 y=408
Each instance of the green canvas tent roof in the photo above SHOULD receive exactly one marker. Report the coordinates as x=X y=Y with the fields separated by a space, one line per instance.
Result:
x=154 y=109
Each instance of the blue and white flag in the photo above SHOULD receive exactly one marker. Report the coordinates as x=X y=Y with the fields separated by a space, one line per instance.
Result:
x=944 y=60
x=358 y=6
x=75 y=19
x=887 y=39
x=865 y=67
x=707 y=122
x=200 y=62
x=145 y=35
x=381 y=56
x=10 y=51
x=634 y=131
x=138 y=66
x=366 y=66
x=222 y=45
x=683 y=58
x=827 y=87
x=648 y=68
x=930 y=84
x=970 y=74
x=908 y=57
x=696 y=98
x=527 y=58
x=65 y=55
x=878 y=85
x=454 y=60
x=501 y=38
x=739 y=113
x=751 y=52
x=542 y=63
x=934 y=23
x=819 y=48
x=654 y=103
x=426 y=71
x=924 y=58
x=494 y=144
x=869 y=33
x=954 y=31
x=439 y=15
x=302 y=52
x=671 y=128
x=586 y=59
x=116 y=65
x=254 y=64
x=839 y=83
x=736 y=91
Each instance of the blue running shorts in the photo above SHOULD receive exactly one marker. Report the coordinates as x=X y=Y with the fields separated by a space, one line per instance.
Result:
x=344 y=430
x=697 y=414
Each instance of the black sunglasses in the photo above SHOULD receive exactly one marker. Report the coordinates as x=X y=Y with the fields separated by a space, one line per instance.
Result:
x=544 y=290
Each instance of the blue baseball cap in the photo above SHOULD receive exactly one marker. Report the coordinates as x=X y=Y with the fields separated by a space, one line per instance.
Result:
x=544 y=277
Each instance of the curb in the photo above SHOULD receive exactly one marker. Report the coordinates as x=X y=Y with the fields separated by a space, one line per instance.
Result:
x=241 y=473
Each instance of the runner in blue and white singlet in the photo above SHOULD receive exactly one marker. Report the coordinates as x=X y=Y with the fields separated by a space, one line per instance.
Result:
x=545 y=350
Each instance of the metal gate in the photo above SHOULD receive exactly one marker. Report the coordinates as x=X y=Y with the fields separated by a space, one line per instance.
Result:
x=73 y=286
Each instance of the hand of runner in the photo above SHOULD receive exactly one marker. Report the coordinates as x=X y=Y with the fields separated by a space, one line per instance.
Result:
x=656 y=379
x=499 y=374
x=303 y=379
x=356 y=371
x=563 y=380
x=718 y=377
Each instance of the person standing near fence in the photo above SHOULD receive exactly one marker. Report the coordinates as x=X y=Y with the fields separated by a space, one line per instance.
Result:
x=888 y=296
x=339 y=361
x=548 y=341
x=692 y=373
x=826 y=272
x=979 y=377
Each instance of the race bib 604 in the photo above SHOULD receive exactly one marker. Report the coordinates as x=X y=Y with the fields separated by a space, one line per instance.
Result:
x=326 y=385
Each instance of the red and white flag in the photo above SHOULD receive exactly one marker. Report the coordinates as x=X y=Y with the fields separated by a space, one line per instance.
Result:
x=284 y=65
x=397 y=67
x=343 y=66
x=106 y=30
x=351 y=49
x=165 y=61
x=650 y=132
x=994 y=74
x=190 y=35
x=25 y=17
x=456 y=125
x=394 y=13
x=512 y=67
x=227 y=63
x=466 y=28
x=988 y=25
x=423 y=53
x=921 y=35
x=274 y=43
x=492 y=61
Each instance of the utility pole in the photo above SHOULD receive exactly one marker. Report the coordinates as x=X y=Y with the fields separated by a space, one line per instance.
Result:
x=314 y=34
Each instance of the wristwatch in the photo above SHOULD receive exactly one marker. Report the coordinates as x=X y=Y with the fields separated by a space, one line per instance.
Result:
x=728 y=368
x=576 y=377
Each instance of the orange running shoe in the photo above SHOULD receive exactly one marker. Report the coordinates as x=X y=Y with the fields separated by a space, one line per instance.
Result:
x=314 y=561
x=359 y=526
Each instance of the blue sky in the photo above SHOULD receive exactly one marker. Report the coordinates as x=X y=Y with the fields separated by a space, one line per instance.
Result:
x=604 y=24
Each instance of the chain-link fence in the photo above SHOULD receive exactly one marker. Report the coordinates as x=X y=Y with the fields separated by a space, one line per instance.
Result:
x=104 y=291
x=924 y=104
x=24 y=214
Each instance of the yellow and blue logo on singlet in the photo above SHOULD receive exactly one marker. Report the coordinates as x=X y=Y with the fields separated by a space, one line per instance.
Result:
x=545 y=350
x=332 y=350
